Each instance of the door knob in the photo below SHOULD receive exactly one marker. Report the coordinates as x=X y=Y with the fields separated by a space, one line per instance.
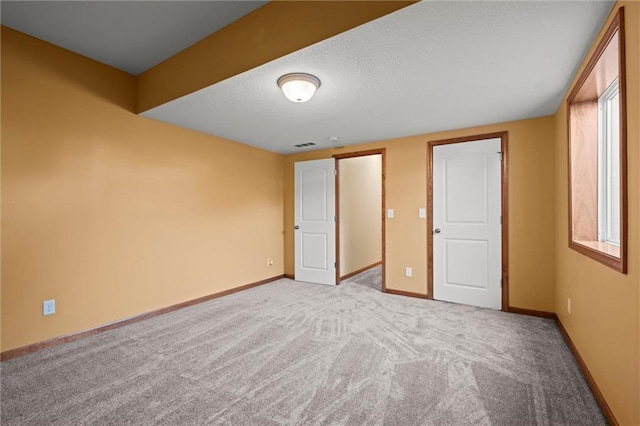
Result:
x=296 y=227
x=436 y=231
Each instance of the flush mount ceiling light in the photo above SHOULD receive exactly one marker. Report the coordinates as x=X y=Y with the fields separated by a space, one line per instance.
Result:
x=298 y=87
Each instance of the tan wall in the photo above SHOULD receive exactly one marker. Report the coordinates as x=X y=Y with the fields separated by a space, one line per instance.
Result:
x=113 y=214
x=360 y=212
x=604 y=322
x=531 y=196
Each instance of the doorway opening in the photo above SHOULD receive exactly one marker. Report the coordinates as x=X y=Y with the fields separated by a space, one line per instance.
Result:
x=360 y=206
x=467 y=224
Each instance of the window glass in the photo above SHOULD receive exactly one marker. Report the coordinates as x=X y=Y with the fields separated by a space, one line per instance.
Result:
x=609 y=165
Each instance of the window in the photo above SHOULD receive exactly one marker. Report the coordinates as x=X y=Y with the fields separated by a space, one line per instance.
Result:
x=597 y=153
x=609 y=165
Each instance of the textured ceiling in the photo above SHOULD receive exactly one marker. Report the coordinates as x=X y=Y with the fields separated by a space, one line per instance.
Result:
x=429 y=67
x=432 y=66
x=129 y=35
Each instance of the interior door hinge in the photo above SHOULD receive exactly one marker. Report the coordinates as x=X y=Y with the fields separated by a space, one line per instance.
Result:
x=500 y=153
x=335 y=264
x=500 y=220
x=335 y=172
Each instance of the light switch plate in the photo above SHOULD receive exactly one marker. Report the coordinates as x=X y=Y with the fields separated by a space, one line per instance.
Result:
x=422 y=213
x=390 y=213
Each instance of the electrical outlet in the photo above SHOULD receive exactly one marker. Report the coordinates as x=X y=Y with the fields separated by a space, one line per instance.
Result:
x=49 y=307
x=408 y=272
x=568 y=304
x=270 y=262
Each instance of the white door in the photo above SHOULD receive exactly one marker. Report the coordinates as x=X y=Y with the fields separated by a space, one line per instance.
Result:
x=467 y=234
x=315 y=226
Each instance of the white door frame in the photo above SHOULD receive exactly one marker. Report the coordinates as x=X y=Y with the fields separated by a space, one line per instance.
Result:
x=504 y=208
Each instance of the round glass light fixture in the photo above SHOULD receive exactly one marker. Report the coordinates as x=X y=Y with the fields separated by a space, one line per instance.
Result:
x=298 y=87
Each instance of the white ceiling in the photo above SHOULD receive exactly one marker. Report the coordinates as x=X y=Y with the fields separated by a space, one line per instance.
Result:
x=435 y=65
x=129 y=35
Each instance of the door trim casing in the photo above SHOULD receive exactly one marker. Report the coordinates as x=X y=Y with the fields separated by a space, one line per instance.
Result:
x=504 y=208
x=383 y=153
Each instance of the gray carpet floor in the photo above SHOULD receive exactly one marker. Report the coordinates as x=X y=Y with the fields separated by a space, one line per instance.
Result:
x=292 y=353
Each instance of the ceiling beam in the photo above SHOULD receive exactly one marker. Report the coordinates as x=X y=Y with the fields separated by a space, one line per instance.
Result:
x=269 y=32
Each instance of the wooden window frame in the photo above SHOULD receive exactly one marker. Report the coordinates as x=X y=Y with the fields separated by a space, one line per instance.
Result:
x=594 y=249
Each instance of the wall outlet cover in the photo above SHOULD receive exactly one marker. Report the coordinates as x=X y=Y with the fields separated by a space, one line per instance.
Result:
x=49 y=307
